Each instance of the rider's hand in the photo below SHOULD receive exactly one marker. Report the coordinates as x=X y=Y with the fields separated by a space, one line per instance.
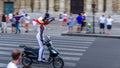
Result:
x=42 y=41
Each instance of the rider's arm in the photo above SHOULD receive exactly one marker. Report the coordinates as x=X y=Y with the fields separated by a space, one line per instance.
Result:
x=47 y=21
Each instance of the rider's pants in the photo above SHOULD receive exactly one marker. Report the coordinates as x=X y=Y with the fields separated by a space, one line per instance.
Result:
x=41 y=49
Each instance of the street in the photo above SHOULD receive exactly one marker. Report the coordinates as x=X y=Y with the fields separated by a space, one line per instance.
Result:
x=76 y=31
x=104 y=53
x=71 y=48
x=79 y=52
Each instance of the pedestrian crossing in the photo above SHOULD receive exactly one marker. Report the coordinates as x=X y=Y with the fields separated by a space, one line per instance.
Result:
x=71 y=48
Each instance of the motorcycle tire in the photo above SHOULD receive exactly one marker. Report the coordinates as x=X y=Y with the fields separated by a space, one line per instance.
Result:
x=26 y=61
x=58 y=62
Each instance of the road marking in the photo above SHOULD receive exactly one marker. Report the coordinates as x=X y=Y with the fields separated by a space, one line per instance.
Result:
x=73 y=42
x=5 y=53
x=70 y=46
x=71 y=58
x=70 y=49
x=3 y=65
x=70 y=64
x=11 y=45
x=64 y=57
x=5 y=48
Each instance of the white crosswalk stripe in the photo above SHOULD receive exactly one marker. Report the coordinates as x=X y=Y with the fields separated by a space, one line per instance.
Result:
x=71 y=48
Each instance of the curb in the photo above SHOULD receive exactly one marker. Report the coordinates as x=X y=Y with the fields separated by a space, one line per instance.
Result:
x=91 y=35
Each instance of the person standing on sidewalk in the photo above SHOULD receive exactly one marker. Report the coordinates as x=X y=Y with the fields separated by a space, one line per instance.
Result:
x=11 y=21
x=109 y=24
x=84 y=21
x=65 y=18
x=27 y=21
x=70 y=23
x=79 y=22
x=102 y=21
x=60 y=19
x=4 y=23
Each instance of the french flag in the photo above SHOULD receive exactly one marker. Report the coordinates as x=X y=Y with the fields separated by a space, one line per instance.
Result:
x=37 y=22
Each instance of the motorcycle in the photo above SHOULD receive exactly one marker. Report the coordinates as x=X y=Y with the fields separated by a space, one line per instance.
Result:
x=30 y=55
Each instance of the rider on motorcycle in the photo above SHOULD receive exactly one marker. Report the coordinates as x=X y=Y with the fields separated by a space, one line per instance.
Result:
x=40 y=36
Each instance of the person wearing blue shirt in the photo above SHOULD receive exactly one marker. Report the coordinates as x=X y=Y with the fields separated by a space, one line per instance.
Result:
x=17 y=18
x=70 y=23
x=79 y=22
x=60 y=19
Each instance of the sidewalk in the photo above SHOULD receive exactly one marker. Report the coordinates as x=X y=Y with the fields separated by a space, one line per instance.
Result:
x=54 y=29
x=115 y=33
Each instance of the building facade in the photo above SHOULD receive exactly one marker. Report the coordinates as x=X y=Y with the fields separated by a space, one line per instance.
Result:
x=59 y=6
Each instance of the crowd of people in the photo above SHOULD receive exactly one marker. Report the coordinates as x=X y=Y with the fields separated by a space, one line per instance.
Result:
x=14 y=19
x=70 y=20
x=81 y=21
x=64 y=19
x=105 y=21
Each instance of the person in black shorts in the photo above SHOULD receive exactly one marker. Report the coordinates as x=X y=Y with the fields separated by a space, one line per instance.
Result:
x=102 y=21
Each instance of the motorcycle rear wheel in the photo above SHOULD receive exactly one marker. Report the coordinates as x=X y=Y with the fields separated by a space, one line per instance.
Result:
x=58 y=62
x=26 y=61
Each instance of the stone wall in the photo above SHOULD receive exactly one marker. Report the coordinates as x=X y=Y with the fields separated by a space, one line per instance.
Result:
x=59 y=6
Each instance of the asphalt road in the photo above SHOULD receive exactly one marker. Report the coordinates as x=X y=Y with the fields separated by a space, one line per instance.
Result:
x=77 y=52
x=104 y=53
x=71 y=48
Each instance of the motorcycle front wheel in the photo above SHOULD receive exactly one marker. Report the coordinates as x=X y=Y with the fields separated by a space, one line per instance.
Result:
x=58 y=62
x=26 y=61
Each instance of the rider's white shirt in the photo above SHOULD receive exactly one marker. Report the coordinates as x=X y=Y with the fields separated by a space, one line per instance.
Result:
x=11 y=65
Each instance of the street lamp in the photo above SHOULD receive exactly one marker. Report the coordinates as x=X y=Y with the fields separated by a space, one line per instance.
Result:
x=47 y=5
x=93 y=11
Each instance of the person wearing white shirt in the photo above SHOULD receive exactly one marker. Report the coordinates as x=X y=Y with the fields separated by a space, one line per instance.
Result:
x=102 y=21
x=16 y=56
x=27 y=21
x=65 y=18
x=10 y=16
x=109 y=24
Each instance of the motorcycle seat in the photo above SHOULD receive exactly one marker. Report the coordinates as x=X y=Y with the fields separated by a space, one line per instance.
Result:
x=32 y=49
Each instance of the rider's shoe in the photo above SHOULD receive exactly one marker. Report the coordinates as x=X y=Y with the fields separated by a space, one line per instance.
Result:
x=43 y=60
